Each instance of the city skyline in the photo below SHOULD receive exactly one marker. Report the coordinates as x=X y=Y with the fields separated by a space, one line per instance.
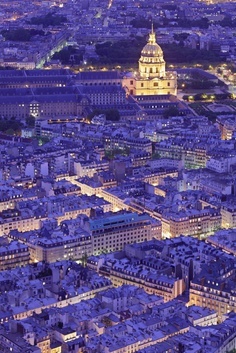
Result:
x=117 y=176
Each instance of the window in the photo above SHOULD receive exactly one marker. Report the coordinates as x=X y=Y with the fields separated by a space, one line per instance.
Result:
x=155 y=84
x=168 y=84
x=131 y=82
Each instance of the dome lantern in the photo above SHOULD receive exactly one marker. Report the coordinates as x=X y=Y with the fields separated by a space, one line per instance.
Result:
x=151 y=62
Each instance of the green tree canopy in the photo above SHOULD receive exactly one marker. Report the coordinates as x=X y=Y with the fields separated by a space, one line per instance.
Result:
x=20 y=34
x=30 y=121
x=111 y=114
x=51 y=19
x=128 y=51
x=11 y=127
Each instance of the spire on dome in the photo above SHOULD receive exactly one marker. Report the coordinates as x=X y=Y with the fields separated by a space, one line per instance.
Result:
x=152 y=36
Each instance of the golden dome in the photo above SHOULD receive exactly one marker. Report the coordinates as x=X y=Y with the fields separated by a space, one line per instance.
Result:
x=152 y=49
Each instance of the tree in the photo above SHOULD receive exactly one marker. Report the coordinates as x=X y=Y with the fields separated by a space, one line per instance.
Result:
x=141 y=22
x=10 y=132
x=66 y=54
x=169 y=7
x=30 y=121
x=60 y=324
x=110 y=154
x=10 y=126
x=181 y=36
x=181 y=348
x=111 y=114
x=84 y=260
x=51 y=19
x=107 y=321
x=114 y=52
x=201 y=23
x=20 y=34
x=175 y=53
x=156 y=155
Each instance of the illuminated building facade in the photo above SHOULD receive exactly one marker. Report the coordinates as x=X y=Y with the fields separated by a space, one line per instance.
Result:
x=152 y=77
x=214 y=287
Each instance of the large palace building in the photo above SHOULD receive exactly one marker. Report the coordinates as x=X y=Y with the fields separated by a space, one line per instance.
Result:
x=59 y=95
x=152 y=77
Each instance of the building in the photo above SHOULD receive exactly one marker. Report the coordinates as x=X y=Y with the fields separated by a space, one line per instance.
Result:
x=80 y=237
x=30 y=289
x=21 y=220
x=228 y=213
x=190 y=222
x=224 y=239
x=214 y=286
x=13 y=254
x=122 y=141
x=112 y=232
x=152 y=77
x=221 y=164
x=98 y=78
x=10 y=342
x=143 y=276
x=105 y=95
x=59 y=244
x=227 y=126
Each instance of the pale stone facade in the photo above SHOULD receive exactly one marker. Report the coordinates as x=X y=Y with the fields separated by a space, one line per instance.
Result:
x=152 y=77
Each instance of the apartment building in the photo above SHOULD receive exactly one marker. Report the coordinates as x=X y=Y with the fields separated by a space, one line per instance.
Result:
x=13 y=254
x=152 y=282
x=214 y=286
x=192 y=222
x=113 y=232
x=228 y=213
